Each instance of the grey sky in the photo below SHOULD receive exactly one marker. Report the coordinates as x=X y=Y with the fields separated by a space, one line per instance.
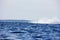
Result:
x=28 y=9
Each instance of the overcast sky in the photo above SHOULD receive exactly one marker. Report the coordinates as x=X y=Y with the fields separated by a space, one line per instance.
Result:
x=29 y=9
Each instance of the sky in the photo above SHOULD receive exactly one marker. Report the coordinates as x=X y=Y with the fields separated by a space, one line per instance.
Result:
x=29 y=9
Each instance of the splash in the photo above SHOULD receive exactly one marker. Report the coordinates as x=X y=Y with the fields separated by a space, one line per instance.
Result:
x=48 y=21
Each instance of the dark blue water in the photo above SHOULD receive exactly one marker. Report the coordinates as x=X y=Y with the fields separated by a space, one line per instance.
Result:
x=29 y=31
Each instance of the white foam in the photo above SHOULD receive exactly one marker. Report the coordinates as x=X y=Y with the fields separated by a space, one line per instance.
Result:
x=47 y=20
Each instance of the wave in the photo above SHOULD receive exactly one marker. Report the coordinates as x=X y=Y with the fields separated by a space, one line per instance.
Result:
x=48 y=21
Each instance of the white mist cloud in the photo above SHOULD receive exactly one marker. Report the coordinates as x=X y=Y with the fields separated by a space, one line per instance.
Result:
x=48 y=20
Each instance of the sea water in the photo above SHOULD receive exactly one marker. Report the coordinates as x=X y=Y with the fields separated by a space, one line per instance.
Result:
x=19 y=30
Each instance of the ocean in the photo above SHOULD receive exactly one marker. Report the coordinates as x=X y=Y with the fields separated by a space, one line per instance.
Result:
x=23 y=30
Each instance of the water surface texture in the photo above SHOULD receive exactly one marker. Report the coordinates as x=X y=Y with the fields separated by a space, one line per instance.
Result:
x=23 y=30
